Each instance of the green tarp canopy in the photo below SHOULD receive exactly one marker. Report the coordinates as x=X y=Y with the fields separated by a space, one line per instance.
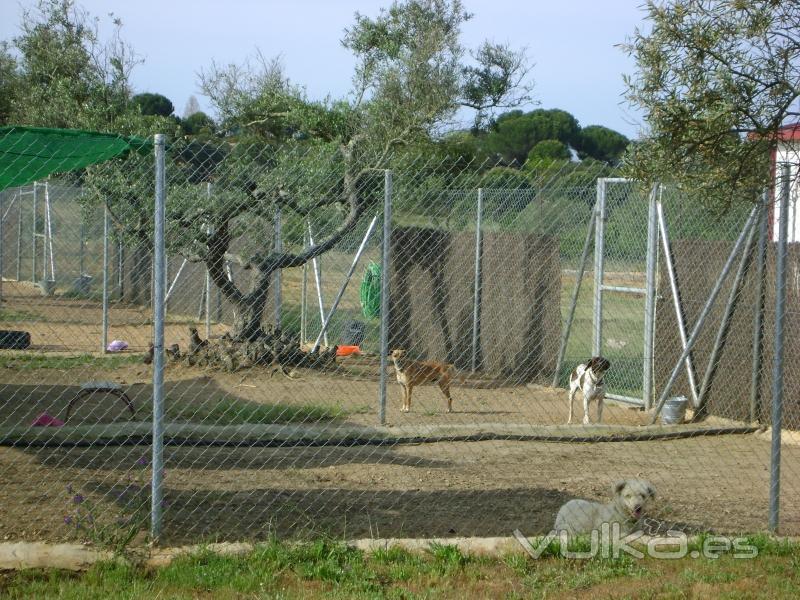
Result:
x=31 y=153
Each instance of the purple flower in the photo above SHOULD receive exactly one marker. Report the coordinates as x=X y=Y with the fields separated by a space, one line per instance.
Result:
x=77 y=499
x=68 y=520
x=142 y=462
x=164 y=504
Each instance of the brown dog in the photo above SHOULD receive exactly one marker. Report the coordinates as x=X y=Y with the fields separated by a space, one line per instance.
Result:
x=411 y=373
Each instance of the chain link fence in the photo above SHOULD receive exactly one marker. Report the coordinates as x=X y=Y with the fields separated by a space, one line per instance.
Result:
x=288 y=284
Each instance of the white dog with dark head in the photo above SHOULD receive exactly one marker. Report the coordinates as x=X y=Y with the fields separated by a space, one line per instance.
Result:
x=631 y=497
x=588 y=377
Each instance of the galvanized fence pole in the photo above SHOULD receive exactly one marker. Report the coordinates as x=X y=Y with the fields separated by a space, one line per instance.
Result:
x=698 y=327
x=2 y=220
x=676 y=298
x=476 y=299
x=34 y=244
x=120 y=270
x=82 y=249
x=158 y=341
x=316 y=263
x=650 y=299
x=104 y=333
x=724 y=327
x=599 y=256
x=758 y=312
x=19 y=238
x=777 y=360
x=208 y=275
x=562 y=349
x=304 y=297
x=327 y=321
x=48 y=235
x=385 y=266
x=276 y=284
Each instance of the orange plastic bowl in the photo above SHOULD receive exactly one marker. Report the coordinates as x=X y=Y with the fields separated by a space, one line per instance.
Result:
x=347 y=350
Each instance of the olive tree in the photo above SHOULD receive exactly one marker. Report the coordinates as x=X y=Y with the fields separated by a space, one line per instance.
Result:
x=324 y=159
x=716 y=81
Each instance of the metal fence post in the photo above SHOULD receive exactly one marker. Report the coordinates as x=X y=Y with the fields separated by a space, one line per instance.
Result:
x=327 y=320
x=758 y=316
x=104 y=335
x=120 y=270
x=33 y=236
x=276 y=283
x=82 y=249
x=2 y=219
x=208 y=275
x=476 y=300
x=19 y=237
x=562 y=349
x=304 y=296
x=599 y=255
x=650 y=299
x=48 y=236
x=777 y=360
x=385 y=266
x=724 y=327
x=316 y=263
x=676 y=298
x=698 y=326
x=158 y=340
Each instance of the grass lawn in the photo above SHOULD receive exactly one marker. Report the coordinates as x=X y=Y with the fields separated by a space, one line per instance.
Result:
x=331 y=570
x=623 y=326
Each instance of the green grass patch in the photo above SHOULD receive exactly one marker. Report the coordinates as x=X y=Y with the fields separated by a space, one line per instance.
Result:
x=325 y=568
x=52 y=361
x=232 y=411
x=8 y=315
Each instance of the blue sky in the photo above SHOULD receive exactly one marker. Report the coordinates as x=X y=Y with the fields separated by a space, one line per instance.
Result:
x=572 y=43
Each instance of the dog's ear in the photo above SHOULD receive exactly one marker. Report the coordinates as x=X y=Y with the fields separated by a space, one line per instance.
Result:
x=651 y=490
x=619 y=486
x=591 y=362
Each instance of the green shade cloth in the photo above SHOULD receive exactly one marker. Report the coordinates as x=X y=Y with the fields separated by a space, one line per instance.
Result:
x=31 y=153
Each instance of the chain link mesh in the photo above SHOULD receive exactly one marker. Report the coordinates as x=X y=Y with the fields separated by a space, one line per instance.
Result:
x=272 y=419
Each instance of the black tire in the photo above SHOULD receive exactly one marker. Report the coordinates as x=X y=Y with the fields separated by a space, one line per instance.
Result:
x=14 y=340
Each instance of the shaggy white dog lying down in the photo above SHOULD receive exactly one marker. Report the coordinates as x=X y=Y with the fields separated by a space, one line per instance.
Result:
x=631 y=496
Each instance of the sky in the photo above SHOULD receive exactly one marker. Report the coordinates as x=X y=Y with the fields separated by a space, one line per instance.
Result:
x=571 y=43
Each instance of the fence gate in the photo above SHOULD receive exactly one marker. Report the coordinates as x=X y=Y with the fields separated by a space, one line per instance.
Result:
x=625 y=260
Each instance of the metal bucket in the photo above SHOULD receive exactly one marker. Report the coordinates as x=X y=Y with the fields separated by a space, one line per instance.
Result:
x=674 y=411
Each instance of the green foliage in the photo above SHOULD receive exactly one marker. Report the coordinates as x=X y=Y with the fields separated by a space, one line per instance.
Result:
x=153 y=104
x=8 y=82
x=515 y=133
x=68 y=77
x=412 y=67
x=256 y=98
x=602 y=143
x=549 y=150
x=505 y=178
x=716 y=81
x=198 y=123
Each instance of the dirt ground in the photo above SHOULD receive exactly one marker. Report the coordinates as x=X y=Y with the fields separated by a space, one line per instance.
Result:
x=432 y=489
x=440 y=489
